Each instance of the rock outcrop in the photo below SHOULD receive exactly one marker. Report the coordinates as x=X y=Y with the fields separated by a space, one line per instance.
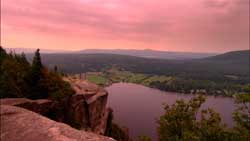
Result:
x=18 y=124
x=85 y=110
x=87 y=107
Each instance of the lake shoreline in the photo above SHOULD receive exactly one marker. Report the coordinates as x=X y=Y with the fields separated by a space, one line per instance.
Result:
x=205 y=94
x=136 y=106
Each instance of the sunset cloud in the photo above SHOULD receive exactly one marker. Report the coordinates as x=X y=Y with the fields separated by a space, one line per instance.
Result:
x=180 y=25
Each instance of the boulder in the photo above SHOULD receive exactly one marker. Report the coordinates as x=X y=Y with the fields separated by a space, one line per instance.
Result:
x=18 y=124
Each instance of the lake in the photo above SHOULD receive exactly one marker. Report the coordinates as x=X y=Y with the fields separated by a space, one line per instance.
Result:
x=137 y=107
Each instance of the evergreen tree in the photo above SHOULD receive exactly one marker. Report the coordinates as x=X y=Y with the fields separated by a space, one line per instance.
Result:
x=13 y=70
x=36 y=76
x=36 y=67
x=37 y=63
x=23 y=59
x=20 y=79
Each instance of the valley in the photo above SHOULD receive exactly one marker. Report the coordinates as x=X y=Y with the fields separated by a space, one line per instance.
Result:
x=224 y=74
x=163 y=82
x=146 y=96
x=124 y=70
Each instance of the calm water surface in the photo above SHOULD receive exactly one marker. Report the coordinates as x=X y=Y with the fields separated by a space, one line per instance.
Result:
x=137 y=107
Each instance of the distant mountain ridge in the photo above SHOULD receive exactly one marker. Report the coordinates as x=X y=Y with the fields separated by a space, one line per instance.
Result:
x=32 y=50
x=239 y=56
x=236 y=56
x=148 y=53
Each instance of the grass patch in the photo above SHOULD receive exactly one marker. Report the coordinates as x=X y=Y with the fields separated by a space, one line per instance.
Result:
x=114 y=76
x=97 y=79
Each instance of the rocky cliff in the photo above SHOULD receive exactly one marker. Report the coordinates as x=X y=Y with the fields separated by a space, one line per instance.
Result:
x=87 y=107
x=18 y=124
x=85 y=110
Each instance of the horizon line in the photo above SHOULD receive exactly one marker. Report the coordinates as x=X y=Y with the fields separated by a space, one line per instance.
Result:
x=109 y=49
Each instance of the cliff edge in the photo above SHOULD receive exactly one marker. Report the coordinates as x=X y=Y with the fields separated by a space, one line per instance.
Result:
x=87 y=107
x=85 y=110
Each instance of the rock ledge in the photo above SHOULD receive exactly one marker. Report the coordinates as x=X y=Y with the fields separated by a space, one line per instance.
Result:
x=24 y=125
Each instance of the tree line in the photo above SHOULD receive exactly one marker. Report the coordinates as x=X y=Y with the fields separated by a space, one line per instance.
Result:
x=193 y=86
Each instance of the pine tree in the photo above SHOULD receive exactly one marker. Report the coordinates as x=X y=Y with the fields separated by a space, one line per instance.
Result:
x=36 y=68
x=23 y=59
x=36 y=76
x=13 y=70
x=37 y=63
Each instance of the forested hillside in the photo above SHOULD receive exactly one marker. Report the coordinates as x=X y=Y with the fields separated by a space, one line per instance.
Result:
x=148 y=53
x=242 y=56
x=233 y=68
x=224 y=74
x=19 y=78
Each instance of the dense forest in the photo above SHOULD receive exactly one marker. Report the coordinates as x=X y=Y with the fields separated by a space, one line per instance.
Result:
x=19 y=78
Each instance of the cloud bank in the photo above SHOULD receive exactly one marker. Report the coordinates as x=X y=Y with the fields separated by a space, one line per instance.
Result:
x=179 y=25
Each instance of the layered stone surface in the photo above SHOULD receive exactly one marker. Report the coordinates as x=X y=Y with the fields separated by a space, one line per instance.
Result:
x=41 y=106
x=18 y=124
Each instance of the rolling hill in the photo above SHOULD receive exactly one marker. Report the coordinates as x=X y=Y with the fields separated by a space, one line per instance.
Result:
x=148 y=53
x=242 y=56
x=212 y=68
x=32 y=50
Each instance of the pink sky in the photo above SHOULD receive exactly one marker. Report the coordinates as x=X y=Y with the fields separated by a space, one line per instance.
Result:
x=171 y=25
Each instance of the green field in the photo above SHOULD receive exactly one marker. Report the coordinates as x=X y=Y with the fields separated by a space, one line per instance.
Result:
x=115 y=76
x=97 y=79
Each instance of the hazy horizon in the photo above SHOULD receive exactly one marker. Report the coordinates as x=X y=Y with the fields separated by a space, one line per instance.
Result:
x=212 y=26
x=146 y=49
x=101 y=49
